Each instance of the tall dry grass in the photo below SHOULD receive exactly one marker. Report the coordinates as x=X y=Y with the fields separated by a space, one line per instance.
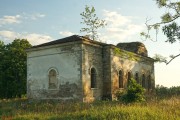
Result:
x=22 y=109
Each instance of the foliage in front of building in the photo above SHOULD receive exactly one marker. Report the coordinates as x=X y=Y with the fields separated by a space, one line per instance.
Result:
x=13 y=68
x=134 y=93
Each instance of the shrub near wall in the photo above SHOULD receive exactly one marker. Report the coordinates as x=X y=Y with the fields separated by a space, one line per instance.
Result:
x=134 y=93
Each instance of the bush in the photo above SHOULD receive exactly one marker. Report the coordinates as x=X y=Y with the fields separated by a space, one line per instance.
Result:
x=135 y=93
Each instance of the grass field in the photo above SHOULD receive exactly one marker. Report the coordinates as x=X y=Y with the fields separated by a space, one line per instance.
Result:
x=22 y=109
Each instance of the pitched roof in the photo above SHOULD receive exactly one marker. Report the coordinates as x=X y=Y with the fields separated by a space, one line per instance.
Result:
x=59 y=41
x=72 y=38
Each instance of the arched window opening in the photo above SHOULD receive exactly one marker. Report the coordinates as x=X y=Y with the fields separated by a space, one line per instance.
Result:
x=143 y=81
x=149 y=82
x=93 y=78
x=129 y=77
x=52 y=79
x=137 y=77
x=120 y=79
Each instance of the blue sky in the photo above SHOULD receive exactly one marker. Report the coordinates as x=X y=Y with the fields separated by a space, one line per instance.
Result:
x=41 y=21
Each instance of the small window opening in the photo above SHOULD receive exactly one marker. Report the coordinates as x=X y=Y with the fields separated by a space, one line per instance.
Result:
x=149 y=82
x=143 y=81
x=120 y=79
x=129 y=77
x=52 y=79
x=93 y=78
x=137 y=77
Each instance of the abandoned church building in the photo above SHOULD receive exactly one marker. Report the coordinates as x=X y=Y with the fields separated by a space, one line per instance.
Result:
x=77 y=68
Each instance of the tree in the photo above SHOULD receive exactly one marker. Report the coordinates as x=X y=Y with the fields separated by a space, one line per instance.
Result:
x=168 y=24
x=2 y=48
x=92 y=22
x=164 y=92
x=13 y=68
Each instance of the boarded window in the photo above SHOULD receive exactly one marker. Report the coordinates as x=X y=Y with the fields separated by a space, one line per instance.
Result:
x=149 y=82
x=52 y=79
x=93 y=78
x=120 y=79
x=143 y=81
x=137 y=77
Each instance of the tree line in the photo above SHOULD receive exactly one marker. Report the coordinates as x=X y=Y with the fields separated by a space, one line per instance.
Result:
x=13 y=68
x=165 y=92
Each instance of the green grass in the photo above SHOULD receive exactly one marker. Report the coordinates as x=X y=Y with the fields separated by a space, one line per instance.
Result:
x=22 y=109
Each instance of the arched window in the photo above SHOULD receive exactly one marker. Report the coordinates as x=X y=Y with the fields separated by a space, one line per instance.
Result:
x=129 y=77
x=137 y=77
x=52 y=79
x=149 y=82
x=143 y=81
x=93 y=78
x=120 y=79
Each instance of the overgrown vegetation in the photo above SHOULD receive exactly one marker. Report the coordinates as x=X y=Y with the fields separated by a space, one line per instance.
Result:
x=135 y=93
x=22 y=109
x=126 y=54
x=158 y=108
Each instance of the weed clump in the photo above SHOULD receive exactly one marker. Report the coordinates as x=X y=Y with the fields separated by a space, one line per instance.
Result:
x=135 y=93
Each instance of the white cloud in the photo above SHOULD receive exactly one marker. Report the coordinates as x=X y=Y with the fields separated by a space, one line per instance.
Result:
x=36 y=16
x=37 y=38
x=9 y=34
x=116 y=19
x=119 y=28
x=33 y=38
x=66 y=33
x=19 y=18
x=10 y=19
x=41 y=15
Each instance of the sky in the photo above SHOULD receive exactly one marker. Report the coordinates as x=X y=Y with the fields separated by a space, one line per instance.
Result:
x=41 y=21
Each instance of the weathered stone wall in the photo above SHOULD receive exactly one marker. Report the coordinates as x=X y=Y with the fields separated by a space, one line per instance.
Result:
x=66 y=60
x=72 y=61
x=129 y=62
x=106 y=72
x=92 y=58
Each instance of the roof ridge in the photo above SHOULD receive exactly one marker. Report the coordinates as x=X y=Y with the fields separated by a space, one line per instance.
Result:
x=62 y=40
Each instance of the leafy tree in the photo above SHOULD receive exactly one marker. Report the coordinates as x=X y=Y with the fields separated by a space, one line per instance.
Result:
x=2 y=48
x=92 y=22
x=13 y=69
x=168 y=24
x=134 y=93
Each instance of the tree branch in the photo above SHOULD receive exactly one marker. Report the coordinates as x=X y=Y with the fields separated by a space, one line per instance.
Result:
x=165 y=22
x=172 y=59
